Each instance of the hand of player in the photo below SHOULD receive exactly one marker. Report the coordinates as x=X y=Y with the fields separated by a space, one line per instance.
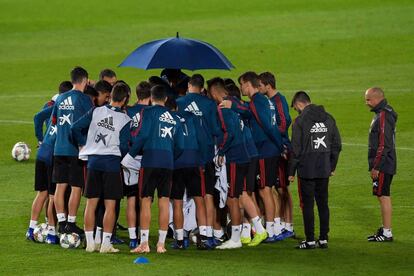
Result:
x=374 y=174
x=291 y=178
x=225 y=104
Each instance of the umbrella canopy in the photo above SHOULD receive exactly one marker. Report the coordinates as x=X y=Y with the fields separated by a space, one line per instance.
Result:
x=177 y=53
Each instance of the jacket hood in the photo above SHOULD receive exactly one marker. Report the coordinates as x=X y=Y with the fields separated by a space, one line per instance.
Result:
x=316 y=113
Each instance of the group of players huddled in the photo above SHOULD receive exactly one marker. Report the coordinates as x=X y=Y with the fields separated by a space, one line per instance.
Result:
x=178 y=138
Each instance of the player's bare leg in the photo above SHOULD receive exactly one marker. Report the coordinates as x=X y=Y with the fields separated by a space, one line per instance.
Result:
x=163 y=218
x=89 y=223
x=108 y=226
x=144 y=221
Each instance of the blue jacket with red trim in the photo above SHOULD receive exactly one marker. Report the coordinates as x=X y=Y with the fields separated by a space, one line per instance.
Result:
x=381 y=150
x=41 y=118
x=158 y=138
x=207 y=124
x=232 y=143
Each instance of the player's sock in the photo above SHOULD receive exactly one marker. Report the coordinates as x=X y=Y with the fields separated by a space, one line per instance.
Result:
x=257 y=223
x=246 y=230
x=218 y=233
x=46 y=220
x=387 y=232
x=277 y=226
x=209 y=231
x=161 y=236
x=144 y=235
x=203 y=230
x=106 y=239
x=51 y=230
x=289 y=226
x=98 y=235
x=72 y=219
x=132 y=233
x=270 y=228
x=61 y=217
x=89 y=238
x=32 y=224
x=283 y=224
x=235 y=233
x=179 y=234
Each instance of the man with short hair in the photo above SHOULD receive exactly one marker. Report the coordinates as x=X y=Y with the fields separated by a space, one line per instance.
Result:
x=283 y=198
x=382 y=157
x=106 y=142
x=104 y=89
x=208 y=127
x=268 y=141
x=108 y=75
x=316 y=145
x=159 y=138
x=68 y=169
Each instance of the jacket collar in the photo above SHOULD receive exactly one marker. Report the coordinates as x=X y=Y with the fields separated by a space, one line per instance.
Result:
x=379 y=106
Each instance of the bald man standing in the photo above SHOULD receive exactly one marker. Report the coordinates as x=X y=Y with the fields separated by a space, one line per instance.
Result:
x=382 y=157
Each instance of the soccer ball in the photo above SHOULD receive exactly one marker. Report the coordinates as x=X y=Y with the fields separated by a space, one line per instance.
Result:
x=21 y=151
x=40 y=232
x=71 y=240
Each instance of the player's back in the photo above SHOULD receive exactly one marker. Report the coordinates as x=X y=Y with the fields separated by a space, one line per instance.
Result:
x=69 y=107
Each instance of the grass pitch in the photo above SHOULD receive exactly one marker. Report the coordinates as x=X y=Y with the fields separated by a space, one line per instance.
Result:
x=333 y=49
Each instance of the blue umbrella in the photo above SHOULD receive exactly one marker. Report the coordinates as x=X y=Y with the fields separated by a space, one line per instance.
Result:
x=177 y=53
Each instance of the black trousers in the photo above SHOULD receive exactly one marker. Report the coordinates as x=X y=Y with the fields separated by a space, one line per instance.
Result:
x=309 y=191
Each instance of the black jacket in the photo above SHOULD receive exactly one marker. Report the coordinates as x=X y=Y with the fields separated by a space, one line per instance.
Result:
x=316 y=144
x=381 y=149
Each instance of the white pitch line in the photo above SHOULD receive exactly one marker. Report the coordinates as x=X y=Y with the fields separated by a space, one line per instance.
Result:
x=16 y=122
x=366 y=146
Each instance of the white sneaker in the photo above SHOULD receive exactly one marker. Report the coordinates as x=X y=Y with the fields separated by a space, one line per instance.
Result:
x=90 y=247
x=97 y=247
x=108 y=249
x=230 y=245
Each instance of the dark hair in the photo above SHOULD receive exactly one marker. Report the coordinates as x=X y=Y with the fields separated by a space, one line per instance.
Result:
x=171 y=104
x=233 y=91
x=103 y=86
x=251 y=77
x=155 y=80
x=300 y=96
x=143 y=90
x=109 y=73
x=159 y=92
x=228 y=81
x=217 y=81
x=268 y=78
x=65 y=86
x=78 y=74
x=90 y=91
x=197 y=80
x=120 y=91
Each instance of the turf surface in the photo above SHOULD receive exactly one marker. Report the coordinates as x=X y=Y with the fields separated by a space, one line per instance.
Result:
x=333 y=49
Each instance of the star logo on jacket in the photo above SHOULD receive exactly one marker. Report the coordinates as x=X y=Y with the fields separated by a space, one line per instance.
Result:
x=64 y=119
x=166 y=131
x=53 y=130
x=320 y=142
x=101 y=137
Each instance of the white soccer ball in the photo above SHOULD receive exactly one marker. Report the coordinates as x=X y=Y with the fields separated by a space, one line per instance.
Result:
x=21 y=151
x=40 y=233
x=71 y=240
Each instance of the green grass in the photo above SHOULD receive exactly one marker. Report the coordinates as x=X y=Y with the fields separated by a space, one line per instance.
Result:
x=334 y=49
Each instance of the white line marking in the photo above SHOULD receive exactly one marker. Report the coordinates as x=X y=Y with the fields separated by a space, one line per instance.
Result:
x=16 y=122
x=366 y=146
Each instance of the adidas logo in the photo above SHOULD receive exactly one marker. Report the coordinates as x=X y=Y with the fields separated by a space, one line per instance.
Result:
x=271 y=105
x=107 y=123
x=319 y=127
x=136 y=119
x=193 y=108
x=167 y=118
x=67 y=104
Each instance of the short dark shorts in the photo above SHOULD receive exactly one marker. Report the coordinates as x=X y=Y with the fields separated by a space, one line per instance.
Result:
x=268 y=171
x=43 y=176
x=382 y=186
x=155 y=178
x=251 y=177
x=70 y=170
x=106 y=185
x=282 y=177
x=236 y=174
x=210 y=177
x=190 y=179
